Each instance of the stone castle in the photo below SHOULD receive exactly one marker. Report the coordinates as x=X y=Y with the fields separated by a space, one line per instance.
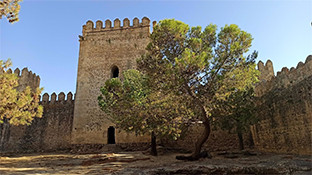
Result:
x=284 y=105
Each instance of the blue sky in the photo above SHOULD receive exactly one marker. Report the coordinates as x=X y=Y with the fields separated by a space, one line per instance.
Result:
x=46 y=38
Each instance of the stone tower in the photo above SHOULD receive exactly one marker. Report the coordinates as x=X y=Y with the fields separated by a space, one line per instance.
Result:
x=105 y=52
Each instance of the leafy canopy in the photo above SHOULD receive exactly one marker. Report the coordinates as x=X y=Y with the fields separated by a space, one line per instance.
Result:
x=18 y=108
x=185 y=74
x=132 y=106
x=199 y=65
x=10 y=9
x=237 y=112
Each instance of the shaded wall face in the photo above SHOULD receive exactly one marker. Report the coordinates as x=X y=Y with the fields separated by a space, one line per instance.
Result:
x=219 y=140
x=51 y=132
x=59 y=121
x=284 y=107
x=286 y=119
x=101 y=51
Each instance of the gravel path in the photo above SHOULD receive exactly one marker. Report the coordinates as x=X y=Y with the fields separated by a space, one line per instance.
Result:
x=137 y=163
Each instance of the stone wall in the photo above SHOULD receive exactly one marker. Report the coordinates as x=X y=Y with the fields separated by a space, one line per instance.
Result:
x=13 y=134
x=284 y=107
x=219 y=140
x=284 y=103
x=104 y=49
x=59 y=116
x=285 y=110
x=26 y=78
x=51 y=132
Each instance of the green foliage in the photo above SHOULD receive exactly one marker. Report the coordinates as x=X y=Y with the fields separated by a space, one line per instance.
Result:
x=131 y=105
x=19 y=108
x=187 y=74
x=10 y=9
x=237 y=112
x=199 y=66
x=16 y=107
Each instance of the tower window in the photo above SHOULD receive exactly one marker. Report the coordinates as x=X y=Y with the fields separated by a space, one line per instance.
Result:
x=115 y=72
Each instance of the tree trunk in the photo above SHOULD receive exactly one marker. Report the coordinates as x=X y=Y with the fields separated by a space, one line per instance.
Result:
x=4 y=133
x=153 y=144
x=240 y=139
x=201 y=140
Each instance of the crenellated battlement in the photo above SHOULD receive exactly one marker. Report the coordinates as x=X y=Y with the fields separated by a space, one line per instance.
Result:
x=267 y=71
x=26 y=78
x=60 y=98
x=284 y=78
x=25 y=74
x=89 y=26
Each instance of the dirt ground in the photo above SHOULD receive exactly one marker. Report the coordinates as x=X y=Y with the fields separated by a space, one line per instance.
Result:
x=139 y=163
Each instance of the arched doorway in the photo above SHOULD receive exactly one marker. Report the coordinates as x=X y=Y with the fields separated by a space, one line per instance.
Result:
x=111 y=135
x=115 y=72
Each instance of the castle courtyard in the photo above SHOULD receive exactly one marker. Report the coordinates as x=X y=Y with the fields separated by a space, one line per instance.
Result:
x=155 y=87
x=135 y=163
